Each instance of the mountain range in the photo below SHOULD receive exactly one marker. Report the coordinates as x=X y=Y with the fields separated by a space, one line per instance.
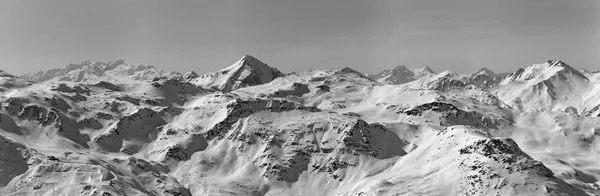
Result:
x=112 y=128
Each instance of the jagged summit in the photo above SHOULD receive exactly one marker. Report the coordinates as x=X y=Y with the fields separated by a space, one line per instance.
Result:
x=95 y=71
x=402 y=74
x=247 y=71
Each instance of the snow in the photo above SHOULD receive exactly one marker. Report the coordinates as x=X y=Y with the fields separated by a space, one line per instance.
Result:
x=116 y=129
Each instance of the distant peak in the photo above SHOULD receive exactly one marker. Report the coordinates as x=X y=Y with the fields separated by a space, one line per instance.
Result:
x=554 y=62
x=447 y=72
x=400 y=67
x=557 y=63
x=248 y=58
x=117 y=62
x=190 y=75
x=90 y=63
x=428 y=69
x=348 y=70
x=485 y=71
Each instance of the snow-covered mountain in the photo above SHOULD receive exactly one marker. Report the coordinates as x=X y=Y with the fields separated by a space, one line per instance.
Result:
x=402 y=74
x=251 y=130
x=247 y=71
x=92 y=71
x=549 y=86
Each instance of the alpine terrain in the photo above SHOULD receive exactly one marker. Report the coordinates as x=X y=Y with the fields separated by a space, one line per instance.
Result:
x=112 y=129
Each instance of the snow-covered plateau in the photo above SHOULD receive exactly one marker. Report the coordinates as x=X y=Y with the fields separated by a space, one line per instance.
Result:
x=112 y=129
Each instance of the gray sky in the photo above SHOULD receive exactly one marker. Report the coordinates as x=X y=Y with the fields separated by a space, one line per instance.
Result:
x=204 y=36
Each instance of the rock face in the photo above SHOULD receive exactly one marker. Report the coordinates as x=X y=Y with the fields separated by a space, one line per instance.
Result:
x=451 y=115
x=141 y=126
x=248 y=71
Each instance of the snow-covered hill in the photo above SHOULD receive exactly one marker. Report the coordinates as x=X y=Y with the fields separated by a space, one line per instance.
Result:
x=251 y=130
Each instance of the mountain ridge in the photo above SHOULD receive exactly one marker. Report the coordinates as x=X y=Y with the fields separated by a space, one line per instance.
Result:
x=249 y=129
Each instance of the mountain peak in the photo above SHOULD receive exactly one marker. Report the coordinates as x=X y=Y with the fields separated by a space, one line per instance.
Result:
x=554 y=62
x=248 y=57
x=447 y=73
x=485 y=71
x=426 y=69
x=247 y=71
x=117 y=62
x=347 y=70
x=249 y=60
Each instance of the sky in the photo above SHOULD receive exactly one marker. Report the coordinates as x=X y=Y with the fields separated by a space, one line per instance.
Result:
x=294 y=35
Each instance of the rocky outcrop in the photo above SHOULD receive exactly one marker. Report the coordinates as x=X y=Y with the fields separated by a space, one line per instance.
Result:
x=285 y=152
x=455 y=116
x=508 y=160
x=243 y=108
x=140 y=126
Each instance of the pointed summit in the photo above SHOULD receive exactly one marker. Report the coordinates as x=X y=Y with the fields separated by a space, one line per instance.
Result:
x=426 y=69
x=485 y=71
x=249 y=58
x=247 y=71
